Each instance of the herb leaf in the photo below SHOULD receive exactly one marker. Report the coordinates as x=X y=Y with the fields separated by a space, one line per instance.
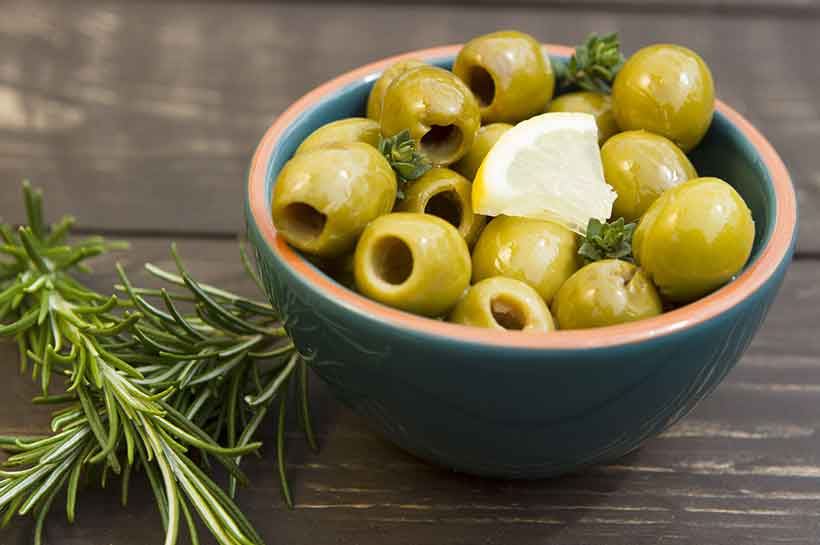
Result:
x=594 y=64
x=152 y=377
x=608 y=241
x=401 y=152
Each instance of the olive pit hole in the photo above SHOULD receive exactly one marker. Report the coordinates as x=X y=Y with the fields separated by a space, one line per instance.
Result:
x=441 y=142
x=482 y=85
x=445 y=205
x=508 y=313
x=303 y=221
x=392 y=260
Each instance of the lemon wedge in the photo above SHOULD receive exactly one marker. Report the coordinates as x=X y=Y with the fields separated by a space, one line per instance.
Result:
x=547 y=167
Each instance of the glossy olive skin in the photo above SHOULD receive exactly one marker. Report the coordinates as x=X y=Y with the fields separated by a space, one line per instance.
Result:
x=603 y=293
x=445 y=194
x=323 y=198
x=343 y=131
x=587 y=102
x=414 y=262
x=376 y=96
x=510 y=74
x=694 y=238
x=485 y=139
x=503 y=304
x=439 y=110
x=668 y=90
x=640 y=166
x=540 y=253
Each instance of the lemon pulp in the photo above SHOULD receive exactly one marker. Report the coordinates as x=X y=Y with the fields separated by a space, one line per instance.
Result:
x=547 y=167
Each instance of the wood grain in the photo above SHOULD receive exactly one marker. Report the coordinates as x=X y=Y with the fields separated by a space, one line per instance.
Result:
x=114 y=106
x=779 y=8
x=745 y=464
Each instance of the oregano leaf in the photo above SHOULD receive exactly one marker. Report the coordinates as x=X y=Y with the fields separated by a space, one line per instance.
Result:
x=607 y=241
x=407 y=161
x=594 y=64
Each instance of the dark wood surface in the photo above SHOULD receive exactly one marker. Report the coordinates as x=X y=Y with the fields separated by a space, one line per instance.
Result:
x=796 y=8
x=140 y=118
x=127 y=110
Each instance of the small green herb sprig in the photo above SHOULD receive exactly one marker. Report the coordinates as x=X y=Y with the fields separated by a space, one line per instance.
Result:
x=401 y=152
x=608 y=241
x=151 y=379
x=594 y=64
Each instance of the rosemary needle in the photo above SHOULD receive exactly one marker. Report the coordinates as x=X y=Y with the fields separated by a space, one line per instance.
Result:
x=175 y=373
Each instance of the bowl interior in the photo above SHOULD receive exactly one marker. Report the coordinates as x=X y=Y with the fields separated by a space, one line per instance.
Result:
x=725 y=152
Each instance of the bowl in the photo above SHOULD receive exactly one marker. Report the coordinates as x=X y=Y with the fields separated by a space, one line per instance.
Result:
x=508 y=404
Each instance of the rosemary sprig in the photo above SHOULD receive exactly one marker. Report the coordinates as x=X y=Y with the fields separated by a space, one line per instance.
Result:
x=594 y=64
x=401 y=152
x=150 y=379
x=611 y=240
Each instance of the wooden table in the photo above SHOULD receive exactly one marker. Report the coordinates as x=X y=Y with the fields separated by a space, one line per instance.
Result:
x=140 y=118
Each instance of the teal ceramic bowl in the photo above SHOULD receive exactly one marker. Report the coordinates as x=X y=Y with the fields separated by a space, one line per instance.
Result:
x=510 y=404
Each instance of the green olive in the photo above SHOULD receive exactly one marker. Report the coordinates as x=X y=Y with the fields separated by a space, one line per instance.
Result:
x=694 y=238
x=510 y=74
x=343 y=131
x=640 y=166
x=440 y=112
x=605 y=293
x=503 y=303
x=668 y=90
x=447 y=195
x=485 y=139
x=540 y=253
x=374 y=100
x=587 y=102
x=414 y=262
x=323 y=198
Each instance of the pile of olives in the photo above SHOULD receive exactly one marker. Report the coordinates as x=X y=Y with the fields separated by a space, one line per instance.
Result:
x=399 y=226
